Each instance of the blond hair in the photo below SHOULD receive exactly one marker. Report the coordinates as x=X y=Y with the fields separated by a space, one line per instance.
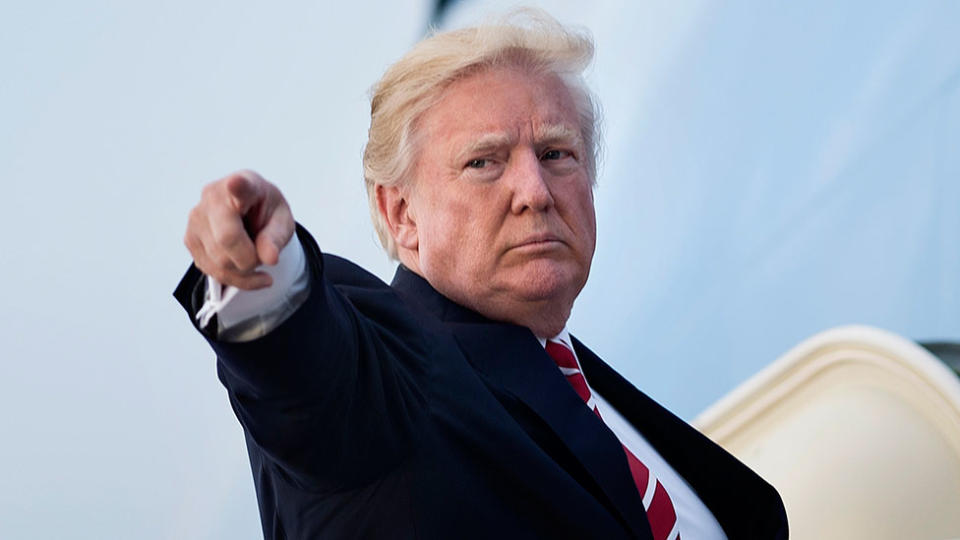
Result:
x=537 y=43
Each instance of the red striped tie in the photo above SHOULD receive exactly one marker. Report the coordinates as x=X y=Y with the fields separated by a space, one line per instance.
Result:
x=656 y=501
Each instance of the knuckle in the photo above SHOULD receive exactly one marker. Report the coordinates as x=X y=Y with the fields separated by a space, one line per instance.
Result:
x=251 y=175
x=194 y=216
x=246 y=264
x=204 y=265
x=227 y=236
x=222 y=262
x=241 y=265
x=194 y=246
x=212 y=190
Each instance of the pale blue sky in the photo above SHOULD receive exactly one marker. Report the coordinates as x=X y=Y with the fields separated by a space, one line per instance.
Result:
x=771 y=170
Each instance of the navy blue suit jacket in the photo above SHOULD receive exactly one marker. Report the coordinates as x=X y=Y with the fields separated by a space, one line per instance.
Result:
x=381 y=411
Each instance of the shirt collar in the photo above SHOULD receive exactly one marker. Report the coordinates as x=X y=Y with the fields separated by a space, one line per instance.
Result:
x=562 y=337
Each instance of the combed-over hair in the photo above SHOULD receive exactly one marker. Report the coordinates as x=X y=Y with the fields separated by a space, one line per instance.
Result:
x=535 y=43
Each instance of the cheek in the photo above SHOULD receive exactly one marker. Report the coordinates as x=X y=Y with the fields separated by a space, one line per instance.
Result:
x=459 y=228
x=582 y=213
x=463 y=242
x=592 y=222
x=443 y=233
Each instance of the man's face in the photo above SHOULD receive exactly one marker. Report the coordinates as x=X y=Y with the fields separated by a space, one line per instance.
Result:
x=501 y=197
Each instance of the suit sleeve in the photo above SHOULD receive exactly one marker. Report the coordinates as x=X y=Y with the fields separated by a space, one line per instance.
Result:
x=331 y=396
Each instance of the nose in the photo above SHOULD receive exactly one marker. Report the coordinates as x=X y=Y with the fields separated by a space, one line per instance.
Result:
x=531 y=191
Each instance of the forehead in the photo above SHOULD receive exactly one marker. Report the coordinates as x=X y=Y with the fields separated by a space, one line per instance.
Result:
x=503 y=102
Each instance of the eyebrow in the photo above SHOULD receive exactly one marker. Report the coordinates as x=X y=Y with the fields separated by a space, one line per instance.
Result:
x=558 y=133
x=545 y=134
x=486 y=143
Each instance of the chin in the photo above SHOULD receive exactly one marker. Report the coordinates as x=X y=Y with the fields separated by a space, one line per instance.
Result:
x=545 y=280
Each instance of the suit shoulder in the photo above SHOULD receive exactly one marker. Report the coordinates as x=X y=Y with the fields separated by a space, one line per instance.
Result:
x=338 y=271
x=342 y=272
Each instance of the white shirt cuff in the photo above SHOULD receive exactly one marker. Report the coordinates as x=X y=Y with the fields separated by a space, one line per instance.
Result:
x=269 y=306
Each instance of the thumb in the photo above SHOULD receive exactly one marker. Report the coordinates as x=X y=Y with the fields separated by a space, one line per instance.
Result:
x=246 y=189
x=275 y=235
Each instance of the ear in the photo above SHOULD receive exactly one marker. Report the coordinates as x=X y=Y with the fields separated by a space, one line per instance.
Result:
x=395 y=210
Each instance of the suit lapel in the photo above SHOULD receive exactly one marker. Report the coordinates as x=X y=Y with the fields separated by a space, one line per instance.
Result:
x=721 y=481
x=511 y=357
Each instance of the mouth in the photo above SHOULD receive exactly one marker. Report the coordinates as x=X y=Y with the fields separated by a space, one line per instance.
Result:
x=539 y=242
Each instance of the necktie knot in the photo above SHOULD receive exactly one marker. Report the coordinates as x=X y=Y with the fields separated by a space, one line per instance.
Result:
x=567 y=363
x=562 y=355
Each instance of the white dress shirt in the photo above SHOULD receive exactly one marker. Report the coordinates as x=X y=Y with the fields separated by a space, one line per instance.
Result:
x=247 y=315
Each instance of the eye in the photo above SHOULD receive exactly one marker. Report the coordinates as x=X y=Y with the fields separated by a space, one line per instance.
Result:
x=477 y=163
x=555 y=154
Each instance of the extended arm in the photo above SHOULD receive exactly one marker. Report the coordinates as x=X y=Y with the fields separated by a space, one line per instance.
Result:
x=330 y=395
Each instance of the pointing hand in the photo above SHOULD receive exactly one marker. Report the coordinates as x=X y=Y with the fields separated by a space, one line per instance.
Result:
x=241 y=222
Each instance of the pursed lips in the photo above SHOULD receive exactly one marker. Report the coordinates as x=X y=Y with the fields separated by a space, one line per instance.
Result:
x=538 y=240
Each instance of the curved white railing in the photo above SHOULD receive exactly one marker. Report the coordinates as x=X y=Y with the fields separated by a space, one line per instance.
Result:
x=859 y=430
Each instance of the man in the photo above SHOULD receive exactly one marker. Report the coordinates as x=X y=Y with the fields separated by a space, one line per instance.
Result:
x=453 y=403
